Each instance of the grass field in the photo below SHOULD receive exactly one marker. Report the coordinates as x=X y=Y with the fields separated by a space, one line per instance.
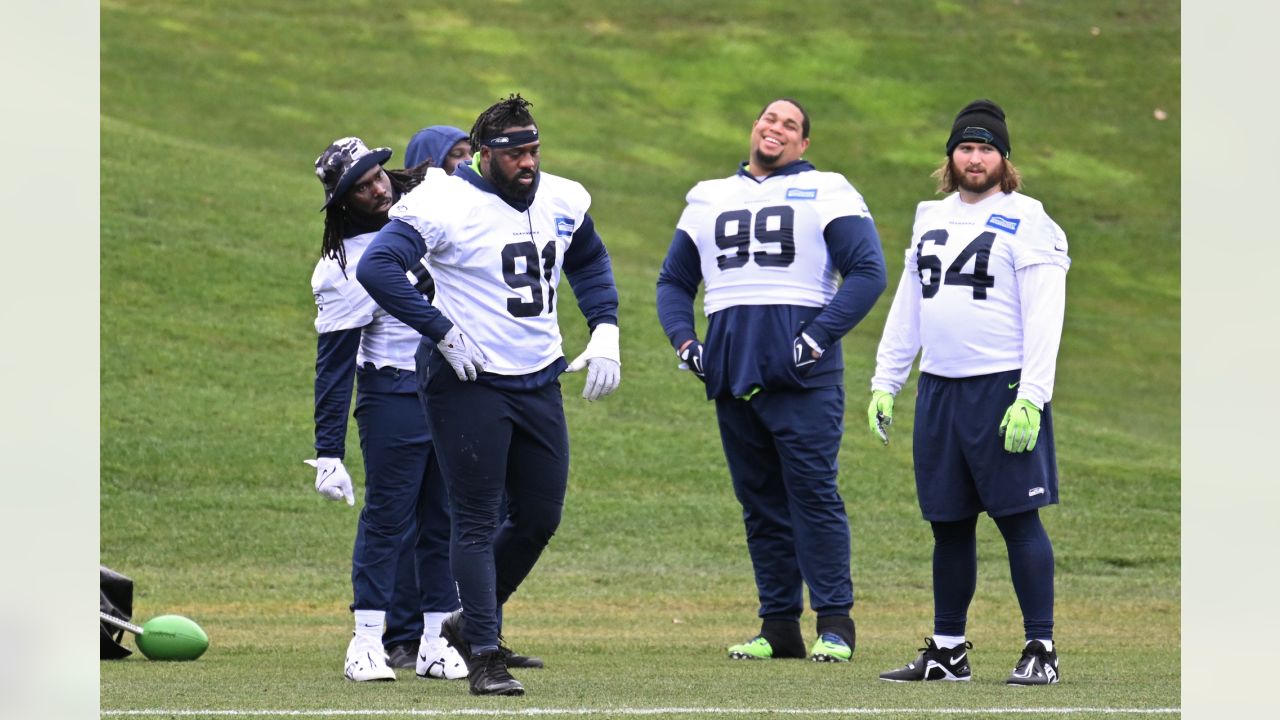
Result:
x=212 y=114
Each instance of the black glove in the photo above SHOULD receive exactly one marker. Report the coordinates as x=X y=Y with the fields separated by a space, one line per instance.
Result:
x=691 y=356
x=805 y=353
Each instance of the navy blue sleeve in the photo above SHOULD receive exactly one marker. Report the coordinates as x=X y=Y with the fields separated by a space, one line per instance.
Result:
x=335 y=370
x=677 y=286
x=590 y=273
x=854 y=246
x=381 y=270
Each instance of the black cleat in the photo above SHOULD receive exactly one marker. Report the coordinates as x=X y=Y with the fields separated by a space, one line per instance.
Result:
x=402 y=655
x=451 y=630
x=515 y=659
x=935 y=663
x=489 y=676
x=1037 y=666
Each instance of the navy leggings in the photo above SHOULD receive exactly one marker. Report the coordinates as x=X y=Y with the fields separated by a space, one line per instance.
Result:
x=955 y=572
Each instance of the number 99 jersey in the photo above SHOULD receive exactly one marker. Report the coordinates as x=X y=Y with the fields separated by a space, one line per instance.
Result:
x=761 y=242
x=965 y=259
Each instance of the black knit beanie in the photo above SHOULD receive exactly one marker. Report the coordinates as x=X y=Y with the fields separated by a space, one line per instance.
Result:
x=980 y=121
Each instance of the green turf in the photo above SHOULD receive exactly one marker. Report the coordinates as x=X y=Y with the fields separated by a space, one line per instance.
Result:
x=212 y=114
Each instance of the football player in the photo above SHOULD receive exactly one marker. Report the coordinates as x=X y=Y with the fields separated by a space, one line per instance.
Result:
x=772 y=244
x=444 y=147
x=496 y=236
x=403 y=487
x=982 y=297
x=439 y=146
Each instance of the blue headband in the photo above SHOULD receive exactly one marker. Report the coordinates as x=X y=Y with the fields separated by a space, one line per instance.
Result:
x=515 y=139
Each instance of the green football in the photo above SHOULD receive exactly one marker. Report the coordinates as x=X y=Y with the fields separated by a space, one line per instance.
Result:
x=172 y=637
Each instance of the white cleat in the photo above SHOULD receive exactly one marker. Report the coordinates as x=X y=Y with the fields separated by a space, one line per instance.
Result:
x=438 y=659
x=367 y=660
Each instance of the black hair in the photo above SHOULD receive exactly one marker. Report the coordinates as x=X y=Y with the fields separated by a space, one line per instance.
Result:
x=803 y=113
x=511 y=112
x=339 y=220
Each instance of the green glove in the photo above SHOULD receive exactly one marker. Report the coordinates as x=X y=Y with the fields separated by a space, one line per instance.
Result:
x=880 y=414
x=1021 y=426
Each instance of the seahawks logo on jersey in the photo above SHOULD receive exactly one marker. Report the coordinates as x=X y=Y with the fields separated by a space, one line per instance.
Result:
x=1007 y=224
x=564 y=226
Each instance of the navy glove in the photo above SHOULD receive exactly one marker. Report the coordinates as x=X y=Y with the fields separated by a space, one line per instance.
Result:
x=805 y=353
x=691 y=357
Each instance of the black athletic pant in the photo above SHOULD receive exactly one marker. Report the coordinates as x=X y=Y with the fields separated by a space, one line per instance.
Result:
x=490 y=440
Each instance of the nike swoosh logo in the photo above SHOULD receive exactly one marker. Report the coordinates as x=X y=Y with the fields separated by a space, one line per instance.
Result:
x=325 y=478
x=1013 y=385
x=958 y=658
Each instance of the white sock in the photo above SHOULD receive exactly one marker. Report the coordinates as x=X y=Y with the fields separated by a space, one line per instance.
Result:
x=431 y=622
x=369 y=623
x=1048 y=644
x=948 y=641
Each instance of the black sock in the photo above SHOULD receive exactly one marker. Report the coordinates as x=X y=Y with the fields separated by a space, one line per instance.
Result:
x=784 y=637
x=840 y=626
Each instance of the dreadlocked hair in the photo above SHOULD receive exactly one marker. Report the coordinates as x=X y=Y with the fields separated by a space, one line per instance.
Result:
x=337 y=218
x=513 y=111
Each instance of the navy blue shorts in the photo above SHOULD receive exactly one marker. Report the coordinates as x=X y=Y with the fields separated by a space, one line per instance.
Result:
x=961 y=465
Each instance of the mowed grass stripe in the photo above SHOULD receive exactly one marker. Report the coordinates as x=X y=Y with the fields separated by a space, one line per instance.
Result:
x=646 y=712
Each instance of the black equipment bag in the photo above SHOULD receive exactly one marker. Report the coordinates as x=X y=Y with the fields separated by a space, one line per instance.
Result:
x=116 y=598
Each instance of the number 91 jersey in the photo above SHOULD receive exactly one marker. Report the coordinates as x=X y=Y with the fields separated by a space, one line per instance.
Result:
x=497 y=269
x=965 y=259
x=761 y=242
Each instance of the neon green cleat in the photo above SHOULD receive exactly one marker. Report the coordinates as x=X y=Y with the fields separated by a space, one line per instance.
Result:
x=830 y=648
x=757 y=648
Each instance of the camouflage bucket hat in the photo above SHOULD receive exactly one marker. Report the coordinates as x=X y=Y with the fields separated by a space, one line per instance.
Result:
x=343 y=162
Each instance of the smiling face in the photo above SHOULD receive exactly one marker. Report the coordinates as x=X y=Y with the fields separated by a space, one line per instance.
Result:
x=371 y=194
x=512 y=170
x=777 y=139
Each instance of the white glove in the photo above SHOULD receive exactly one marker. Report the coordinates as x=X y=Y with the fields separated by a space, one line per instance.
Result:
x=603 y=362
x=332 y=479
x=462 y=355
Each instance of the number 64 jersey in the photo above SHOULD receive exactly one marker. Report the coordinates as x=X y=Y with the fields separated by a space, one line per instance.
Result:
x=964 y=297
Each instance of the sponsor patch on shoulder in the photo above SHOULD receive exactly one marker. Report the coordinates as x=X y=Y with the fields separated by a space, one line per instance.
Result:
x=564 y=226
x=1007 y=224
x=802 y=193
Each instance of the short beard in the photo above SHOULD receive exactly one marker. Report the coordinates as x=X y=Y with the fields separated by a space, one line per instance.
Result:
x=765 y=162
x=360 y=222
x=993 y=179
x=507 y=184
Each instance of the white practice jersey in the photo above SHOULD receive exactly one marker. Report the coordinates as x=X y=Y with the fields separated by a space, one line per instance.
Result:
x=761 y=243
x=497 y=269
x=343 y=304
x=961 y=265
